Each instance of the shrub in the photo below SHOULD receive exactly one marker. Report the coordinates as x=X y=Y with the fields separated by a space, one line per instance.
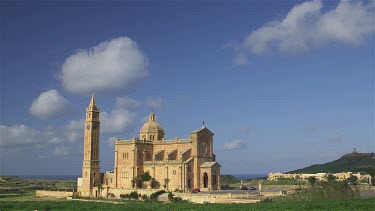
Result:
x=124 y=196
x=174 y=199
x=133 y=195
x=267 y=199
x=153 y=183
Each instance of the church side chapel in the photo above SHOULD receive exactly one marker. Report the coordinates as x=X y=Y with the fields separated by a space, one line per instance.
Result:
x=182 y=164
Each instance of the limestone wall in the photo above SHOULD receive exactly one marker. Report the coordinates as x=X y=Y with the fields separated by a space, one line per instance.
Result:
x=118 y=191
x=219 y=197
x=54 y=194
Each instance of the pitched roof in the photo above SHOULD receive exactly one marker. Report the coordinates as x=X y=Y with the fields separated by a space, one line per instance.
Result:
x=209 y=164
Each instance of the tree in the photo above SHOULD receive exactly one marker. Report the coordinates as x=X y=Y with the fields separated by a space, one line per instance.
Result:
x=166 y=181
x=312 y=180
x=353 y=179
x=145 y=177
x=330 y=177
x=153 y=183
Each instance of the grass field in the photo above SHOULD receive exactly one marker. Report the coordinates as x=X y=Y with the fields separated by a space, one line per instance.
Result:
x=349 y=204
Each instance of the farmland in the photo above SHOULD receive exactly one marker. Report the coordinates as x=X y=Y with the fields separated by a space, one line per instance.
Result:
x=349 y=204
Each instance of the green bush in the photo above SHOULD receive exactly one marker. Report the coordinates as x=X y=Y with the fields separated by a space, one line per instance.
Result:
x=174 y=199
x=134 y=195
x=125 y=196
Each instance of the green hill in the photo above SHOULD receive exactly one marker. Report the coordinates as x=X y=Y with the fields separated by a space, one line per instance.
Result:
x=353 y=162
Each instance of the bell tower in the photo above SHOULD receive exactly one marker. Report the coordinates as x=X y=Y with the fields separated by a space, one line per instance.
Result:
x=90 y=167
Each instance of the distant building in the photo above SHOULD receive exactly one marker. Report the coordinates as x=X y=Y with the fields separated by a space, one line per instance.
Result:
x=175 y=164
x=319 y=176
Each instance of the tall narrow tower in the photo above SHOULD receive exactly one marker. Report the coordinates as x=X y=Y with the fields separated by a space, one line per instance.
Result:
x=90 y=167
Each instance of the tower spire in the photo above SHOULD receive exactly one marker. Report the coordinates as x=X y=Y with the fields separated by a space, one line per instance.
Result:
x=92 y=102
x=92 y=105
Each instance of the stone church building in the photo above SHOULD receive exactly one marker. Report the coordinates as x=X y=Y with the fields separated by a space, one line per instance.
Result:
x=182 y=164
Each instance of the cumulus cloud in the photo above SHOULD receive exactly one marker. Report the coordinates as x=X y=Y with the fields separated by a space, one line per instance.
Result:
x=62 y=151
x=50 y=104
x=22 y=135
x=127 y=102
x=154 y=102
x=306 y=26
x=111 y=66
x=18 y=135
x=234 y=145
x=73 y=131
x=118 y=121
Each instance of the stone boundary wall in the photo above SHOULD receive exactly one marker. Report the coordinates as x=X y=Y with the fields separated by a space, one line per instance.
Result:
x=219 y=198
x=54 y=194
x=118 y=191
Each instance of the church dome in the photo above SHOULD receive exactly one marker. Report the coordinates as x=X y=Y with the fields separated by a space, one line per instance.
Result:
x=152 y=128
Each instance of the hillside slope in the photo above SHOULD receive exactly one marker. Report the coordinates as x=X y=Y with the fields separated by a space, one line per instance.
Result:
x=353 y=162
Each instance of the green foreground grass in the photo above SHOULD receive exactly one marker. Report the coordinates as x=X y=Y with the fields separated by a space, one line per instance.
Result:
x=347 y=204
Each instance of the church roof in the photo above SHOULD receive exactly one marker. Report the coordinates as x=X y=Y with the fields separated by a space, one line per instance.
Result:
x=209 y=164
x=202 y=129
x=151 y=125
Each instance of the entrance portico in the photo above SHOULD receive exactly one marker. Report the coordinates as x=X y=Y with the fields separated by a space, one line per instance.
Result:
x=210 y=176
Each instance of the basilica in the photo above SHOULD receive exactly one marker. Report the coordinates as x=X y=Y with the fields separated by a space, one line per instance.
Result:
x=180 y=163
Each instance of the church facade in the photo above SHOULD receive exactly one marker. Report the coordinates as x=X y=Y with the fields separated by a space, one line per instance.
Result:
x=182 y=164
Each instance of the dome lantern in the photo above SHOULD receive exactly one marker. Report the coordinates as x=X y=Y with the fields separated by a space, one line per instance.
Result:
x=151 y=130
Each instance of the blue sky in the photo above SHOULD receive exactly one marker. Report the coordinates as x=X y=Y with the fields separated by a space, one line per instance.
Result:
x=282 y=84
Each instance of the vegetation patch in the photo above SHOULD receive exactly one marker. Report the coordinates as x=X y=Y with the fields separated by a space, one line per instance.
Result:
x=346 y=204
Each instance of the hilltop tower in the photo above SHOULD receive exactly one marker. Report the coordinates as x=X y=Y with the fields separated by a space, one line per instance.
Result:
x=90 y=167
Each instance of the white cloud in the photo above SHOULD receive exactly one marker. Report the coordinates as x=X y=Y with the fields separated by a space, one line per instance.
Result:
x=18 y=135
x=118 y=121
x=50 y=104
x=234 y=145
x=111 y=141
x=74 y=130
x=154 y=102
x=240 y=60
x=62 y=151
x=127 y=102
x=112 y=66
x=306 y=27
x=22 y=135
